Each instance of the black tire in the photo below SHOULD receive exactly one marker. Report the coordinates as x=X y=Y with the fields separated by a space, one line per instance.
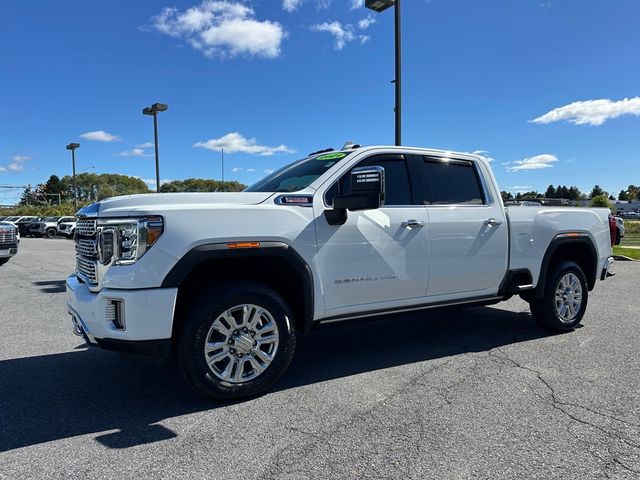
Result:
x=51 y=232
x=193 y=335
x=3 y=261
x=544 y=310
x=618 y=238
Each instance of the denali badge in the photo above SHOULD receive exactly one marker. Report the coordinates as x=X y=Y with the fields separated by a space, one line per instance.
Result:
x=364 y=279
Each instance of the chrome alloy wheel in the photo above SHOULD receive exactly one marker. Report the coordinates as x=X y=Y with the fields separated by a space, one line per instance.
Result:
x=568 y=300
x=241 y=343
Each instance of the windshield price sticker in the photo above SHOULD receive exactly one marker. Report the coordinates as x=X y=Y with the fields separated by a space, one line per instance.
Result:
x=332 y=156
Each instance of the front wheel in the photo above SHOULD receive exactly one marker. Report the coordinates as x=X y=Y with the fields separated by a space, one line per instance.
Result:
x=565 y=298
x=51 y=233
x=3 y=261
x=237 y=342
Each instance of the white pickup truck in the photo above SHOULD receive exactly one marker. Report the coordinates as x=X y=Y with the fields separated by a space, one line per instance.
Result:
x=225 y=281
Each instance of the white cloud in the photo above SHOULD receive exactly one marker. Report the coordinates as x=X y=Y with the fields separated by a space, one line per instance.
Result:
x=100 y=136
x=134 y=152
x=484 y=154
x=356 y=4
x=366 y=22
x=521 y=188
x=222 y=29
x=536 y=162
x=17 y=165
x=269 y=171
x=291 y=5
x=341 y=33
x=591 y=112
x=145 y=145
x=234 y=142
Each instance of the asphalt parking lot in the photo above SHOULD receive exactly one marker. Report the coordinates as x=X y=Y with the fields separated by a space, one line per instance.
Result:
x=476 y=393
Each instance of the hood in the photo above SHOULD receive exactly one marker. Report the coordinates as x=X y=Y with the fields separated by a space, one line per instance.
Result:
x=130 y=205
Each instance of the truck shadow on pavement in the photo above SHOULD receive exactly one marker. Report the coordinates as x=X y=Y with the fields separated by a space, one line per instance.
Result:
x=51 y=286
x=58 y=396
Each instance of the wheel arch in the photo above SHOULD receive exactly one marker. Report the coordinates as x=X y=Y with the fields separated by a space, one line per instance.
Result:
x=578 y=248
x=274 y=264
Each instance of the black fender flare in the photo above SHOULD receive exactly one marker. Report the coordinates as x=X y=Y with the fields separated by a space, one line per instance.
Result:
x=215 y=251
x=561 y=240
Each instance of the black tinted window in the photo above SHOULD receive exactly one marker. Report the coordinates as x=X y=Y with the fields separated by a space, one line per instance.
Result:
x=452 y=183
x=397 y=184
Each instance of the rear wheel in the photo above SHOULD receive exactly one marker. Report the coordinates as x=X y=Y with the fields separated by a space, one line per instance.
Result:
x=618 y=238
x=236 y=343
x=565 y=298
x=51 y=232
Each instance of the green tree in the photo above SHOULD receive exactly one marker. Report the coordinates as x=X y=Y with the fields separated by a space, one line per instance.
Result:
x=597 y=191
x=599 y=201
x=623 y=196
x=551 y=192
x=201 y=185
x=506 y=196
x=633 y=192
x=574 y=193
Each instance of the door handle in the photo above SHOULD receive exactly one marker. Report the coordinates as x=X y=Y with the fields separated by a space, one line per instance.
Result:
x=411 y=223
x=492 y=222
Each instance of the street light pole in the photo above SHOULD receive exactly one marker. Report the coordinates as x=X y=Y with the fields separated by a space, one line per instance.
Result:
x=398 y=108
x=72 y=147
x=153 y=110
x=380 y=6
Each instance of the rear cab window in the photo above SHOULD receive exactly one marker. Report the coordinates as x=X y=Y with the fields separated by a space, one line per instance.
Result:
x=451 y=182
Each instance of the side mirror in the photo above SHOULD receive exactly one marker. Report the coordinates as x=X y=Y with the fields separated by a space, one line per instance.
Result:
x=366 y=192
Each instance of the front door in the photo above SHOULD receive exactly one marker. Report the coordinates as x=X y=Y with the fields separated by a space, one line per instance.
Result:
x=376 y=256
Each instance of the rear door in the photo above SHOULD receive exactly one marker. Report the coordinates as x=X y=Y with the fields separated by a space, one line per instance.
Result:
x=468 y=234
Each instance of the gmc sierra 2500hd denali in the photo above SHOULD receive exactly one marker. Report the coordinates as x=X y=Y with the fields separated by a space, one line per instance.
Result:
x=227 y=280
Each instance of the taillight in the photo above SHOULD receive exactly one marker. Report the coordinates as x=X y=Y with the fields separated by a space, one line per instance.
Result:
x=613 y=229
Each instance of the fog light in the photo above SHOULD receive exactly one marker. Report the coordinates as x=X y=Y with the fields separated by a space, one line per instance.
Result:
x=114 y=313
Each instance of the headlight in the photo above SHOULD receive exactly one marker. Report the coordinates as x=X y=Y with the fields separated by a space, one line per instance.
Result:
x=123 y=241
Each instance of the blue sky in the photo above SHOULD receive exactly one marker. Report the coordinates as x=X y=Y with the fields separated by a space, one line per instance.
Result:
x=273 y=80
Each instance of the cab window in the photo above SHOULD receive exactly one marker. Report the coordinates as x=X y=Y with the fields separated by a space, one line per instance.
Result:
x=396 y=174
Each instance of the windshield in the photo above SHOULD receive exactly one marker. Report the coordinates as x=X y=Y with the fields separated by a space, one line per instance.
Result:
x=298 y=175
x=51 y=219
x=12 y=219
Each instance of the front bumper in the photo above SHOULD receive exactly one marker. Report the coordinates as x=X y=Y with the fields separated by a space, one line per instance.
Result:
x=148 y=315
x=8 y=250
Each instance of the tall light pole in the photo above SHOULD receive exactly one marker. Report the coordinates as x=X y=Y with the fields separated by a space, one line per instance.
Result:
x=72 y=147
x=153 y=110
x=381 y=6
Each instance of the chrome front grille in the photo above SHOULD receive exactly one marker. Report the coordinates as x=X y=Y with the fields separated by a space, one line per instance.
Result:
x=87 y=269
x=8 y=235
x=86 y=227
x=87 y=251
x=87 y=248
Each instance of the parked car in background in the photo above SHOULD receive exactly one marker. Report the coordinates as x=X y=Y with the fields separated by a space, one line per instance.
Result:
x=47 y=227
x=633 y=215
x=619 y=229
x=67 y=228
x=9 y=238
x=23 y=224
